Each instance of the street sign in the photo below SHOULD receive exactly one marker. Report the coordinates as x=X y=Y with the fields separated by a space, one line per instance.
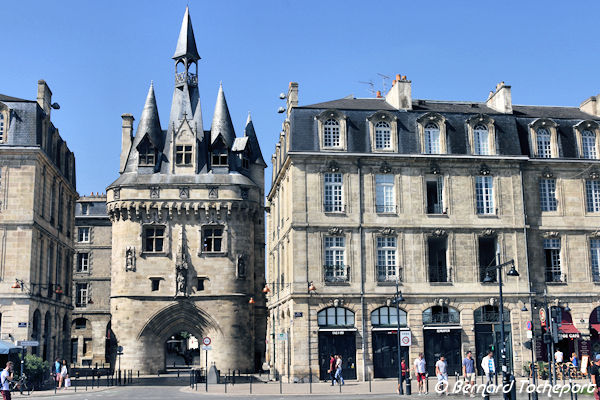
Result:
x=206 y=348
x=283 y=336
x=206 y=341
x=120 y=349
x=405 y=338
x=23 y=324
x=297 y=314
x=28 y=343
x=543 y=316
x=528 y=325
x=529 y=335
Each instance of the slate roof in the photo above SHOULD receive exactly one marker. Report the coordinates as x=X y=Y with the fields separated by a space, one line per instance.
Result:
x=221 y=123
x=6 y=98
x=186 y=43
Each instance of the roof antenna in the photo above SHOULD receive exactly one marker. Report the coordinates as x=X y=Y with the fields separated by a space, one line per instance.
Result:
x=385 y=79
x=371 y=88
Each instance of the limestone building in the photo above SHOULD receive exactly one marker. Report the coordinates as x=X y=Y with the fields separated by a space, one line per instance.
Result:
x=91 y=337
x=188 y=229
x=426 y=193
x=37 y=202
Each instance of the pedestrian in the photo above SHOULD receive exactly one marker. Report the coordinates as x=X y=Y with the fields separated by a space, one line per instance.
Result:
x=558 y=356
x=6 y=377
x=57 y=370
x=489 y=367
x=595 y=375
x=332 y=368
x=403 y=372
x=575 y=360
x=468 y=368
x=441 y=371
x=419 y=366
x=338 y=370
x=64 y=373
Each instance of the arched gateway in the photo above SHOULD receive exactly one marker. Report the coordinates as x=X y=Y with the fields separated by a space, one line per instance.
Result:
x=187 y=215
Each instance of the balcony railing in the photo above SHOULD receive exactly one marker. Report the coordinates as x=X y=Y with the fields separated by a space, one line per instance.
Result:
x=385 y=208
x=555 y=277
x=438 y=274
x=383 y=275
x=441 y=318
x=336 y=273
x=183 y=77
x=333 y=207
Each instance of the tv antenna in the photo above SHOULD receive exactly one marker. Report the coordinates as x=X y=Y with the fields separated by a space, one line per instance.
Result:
x=371 y=88
x=385 y=80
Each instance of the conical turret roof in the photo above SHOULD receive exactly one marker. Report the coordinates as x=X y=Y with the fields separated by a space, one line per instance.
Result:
x=186 y=44
x=149 y=124
x=254 y=146
x=221 y=123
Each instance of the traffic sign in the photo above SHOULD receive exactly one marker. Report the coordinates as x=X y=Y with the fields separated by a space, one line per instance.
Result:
x=206 y=341
x=528 y=325
x=543 y=316
x=206 y=348
x=529 y=335
x=405 y=338
x=28 y=343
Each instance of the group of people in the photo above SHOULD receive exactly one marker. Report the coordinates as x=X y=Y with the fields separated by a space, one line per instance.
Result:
x=61 y=373
x=335 y=369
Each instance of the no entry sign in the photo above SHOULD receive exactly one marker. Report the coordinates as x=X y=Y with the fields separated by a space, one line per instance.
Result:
x=206 y=341
x=405 y=338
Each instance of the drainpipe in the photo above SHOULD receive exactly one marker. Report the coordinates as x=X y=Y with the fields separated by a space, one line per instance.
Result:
x=530 y=283
x=362 y=269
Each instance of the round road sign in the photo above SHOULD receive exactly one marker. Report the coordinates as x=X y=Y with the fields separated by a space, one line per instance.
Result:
x=528 y=325
x=543 y=316
x=405 y=340
x=206 y=341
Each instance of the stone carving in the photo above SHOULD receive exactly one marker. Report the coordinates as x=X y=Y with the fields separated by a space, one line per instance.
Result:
x=595 y=234
x=488 y=233
x=181 y=268
x=547 y=173
x=441 y=301
x=594 y=173
x=434 y=169
x=244 y=193
x=335 y=231
x=484 y=170
x=439 y=233
x=213 y=192
x=154 y=192
x=387 y=231
x=550 y=234
x=385 y=168
x=184 y=193
x=117 y=193
x=130 y=258
x=333 y=166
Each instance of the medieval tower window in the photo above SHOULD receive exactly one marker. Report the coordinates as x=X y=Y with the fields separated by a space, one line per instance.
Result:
x=147 y=154
x=183 y=155
x=219 y=158
x=212 y=239
x=154 y=237
x=154 y=284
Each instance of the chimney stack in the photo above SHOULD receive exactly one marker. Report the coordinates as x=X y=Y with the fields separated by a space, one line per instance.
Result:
x=501 y=99
x=292 y=97
x=44 y=96
x=400 y=95
x=126 y=139
x=590 y=105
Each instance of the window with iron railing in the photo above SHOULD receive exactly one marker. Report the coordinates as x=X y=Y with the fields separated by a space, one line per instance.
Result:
x=335 y=269
x=385 y=193
x=435 y=195
x=595 y=259
x=438 y=269
x=386 y=259
x=441 y=315
x=548 y=194
x=333 y=196
x=553 y=267
x=484 y=193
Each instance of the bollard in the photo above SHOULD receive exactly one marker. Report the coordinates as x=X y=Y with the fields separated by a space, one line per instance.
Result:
x=570 y=387
x=513 y=387
x=178 y=373
x=280 y=386
x=408 y=390
x=250 y=384
x=369 y=384
x=426 y=382
x=75 y=386
x=86 y=382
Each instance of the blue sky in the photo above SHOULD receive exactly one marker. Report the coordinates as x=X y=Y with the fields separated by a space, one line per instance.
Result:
x=99 y=58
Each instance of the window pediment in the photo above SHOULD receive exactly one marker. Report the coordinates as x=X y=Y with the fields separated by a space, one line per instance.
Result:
x=331 y=114
x=432 y=117
x=543 y=123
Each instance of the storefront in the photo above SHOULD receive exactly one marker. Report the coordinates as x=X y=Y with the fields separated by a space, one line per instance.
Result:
x=442 y=336
x=337 y=335
x=568 y=335
x=384 y=322
x=594 y=332
x=488 y=334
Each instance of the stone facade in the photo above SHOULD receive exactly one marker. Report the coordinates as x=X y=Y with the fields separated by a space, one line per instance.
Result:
x=37 y=202
x=188 y=230
x=91 y=330
x=370 y=192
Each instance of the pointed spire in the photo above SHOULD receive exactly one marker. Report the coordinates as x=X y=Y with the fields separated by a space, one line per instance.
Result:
x=249 y=132
x=221 y=124
x=186 y=44
x=149 y=122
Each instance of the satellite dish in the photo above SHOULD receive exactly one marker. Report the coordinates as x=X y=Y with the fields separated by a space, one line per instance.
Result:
x=56 y=106
x=281 y=110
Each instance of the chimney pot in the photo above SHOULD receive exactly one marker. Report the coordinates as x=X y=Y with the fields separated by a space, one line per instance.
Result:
x=398 y=77
x=379 y=94
x=403 y=77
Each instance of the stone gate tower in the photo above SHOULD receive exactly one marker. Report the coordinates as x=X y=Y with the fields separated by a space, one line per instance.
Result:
x=188 y=230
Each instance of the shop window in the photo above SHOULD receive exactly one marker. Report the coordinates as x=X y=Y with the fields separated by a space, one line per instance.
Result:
x=385 y=193
x=335 y=317
x=388 y=317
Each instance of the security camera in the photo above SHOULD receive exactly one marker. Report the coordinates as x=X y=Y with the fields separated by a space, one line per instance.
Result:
x=281 y=110
x=282 y=95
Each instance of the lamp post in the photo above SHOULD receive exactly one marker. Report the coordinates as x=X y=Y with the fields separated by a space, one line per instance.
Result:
x=396 y=300
x=266 y=290
x=311 y=288
x=489 y=279
x=534 y=395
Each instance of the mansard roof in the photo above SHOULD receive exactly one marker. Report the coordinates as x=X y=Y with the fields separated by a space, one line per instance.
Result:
x=186 y=43
x=11 y=99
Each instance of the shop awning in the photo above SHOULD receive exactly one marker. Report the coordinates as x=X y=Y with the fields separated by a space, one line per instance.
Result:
x=569 y=331
x=595 y=327
x=8 y=347
x=338 y=329
x=442 y=328
x=402 y=328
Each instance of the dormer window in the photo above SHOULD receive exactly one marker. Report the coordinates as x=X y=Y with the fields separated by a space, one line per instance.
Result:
x=219 y=158
x=383 y=126
x=544 y=149
x=2 y=125
x=432 y=139
x=544 y=142
x=482 y=135
x=383 y=135
x=147 y=154
x=331 y=133
x=588 y=144
x=245 y=160
x=183 y=155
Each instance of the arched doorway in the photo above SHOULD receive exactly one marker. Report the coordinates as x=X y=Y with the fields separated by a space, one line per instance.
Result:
x=384 y=322
x=47 y=336
x=442 y=336
x=182 y=350
x=36 y=330
x=337 y=335
x=594 y=333
x=487 y=334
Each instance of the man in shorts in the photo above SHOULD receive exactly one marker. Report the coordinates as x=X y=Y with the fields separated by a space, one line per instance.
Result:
x=420 y=372
x=441 y=371
x=6 y=377
x=468 y=367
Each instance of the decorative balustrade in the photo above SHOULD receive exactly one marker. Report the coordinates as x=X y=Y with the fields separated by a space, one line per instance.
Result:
x=186 y=77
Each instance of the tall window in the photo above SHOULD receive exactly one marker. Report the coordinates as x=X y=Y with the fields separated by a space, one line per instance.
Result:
x=333 y=192
x=83 y=234
x=487 y=258
x=183 y=155
x=212 y=239
x=544 y=149
x=85 y=209
x=386 y=258
x=552 y=253
x=81 y=295
x=154 y=237
x=331 y=133
x=595 y=258
x=388 y=316
x=432 y=139
x=438 y=271
x=588 y=144
x=83 y=262
x=484 y=194
x=384 y=193
x=335 y=266
x=219 y=158
x=2 y=125
x=435 y=193
x=147 y=154
x=481 y=140
x=335 y=316
x=548 y=194
x=592 y=195
x=383 y=135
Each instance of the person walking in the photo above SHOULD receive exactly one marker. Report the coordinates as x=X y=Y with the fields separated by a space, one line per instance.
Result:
x=489 y=366
x=6 y=377
x=595 y=375
x=403 y=370
x=332 y=368
x=469 y=373
x=338 y=370
x=441 y=371
x=56 y=371
x=420 y=371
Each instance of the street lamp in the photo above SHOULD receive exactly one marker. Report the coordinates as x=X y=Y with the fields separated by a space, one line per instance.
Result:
x=534 y=395
x=396 y=300
x=489 y=279
x=311 y=289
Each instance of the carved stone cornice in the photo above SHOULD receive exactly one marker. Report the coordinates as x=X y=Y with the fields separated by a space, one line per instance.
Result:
x=335 y=231
x=387 y=231
x=547 y=173
x=550 y=234
x=440 y=233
